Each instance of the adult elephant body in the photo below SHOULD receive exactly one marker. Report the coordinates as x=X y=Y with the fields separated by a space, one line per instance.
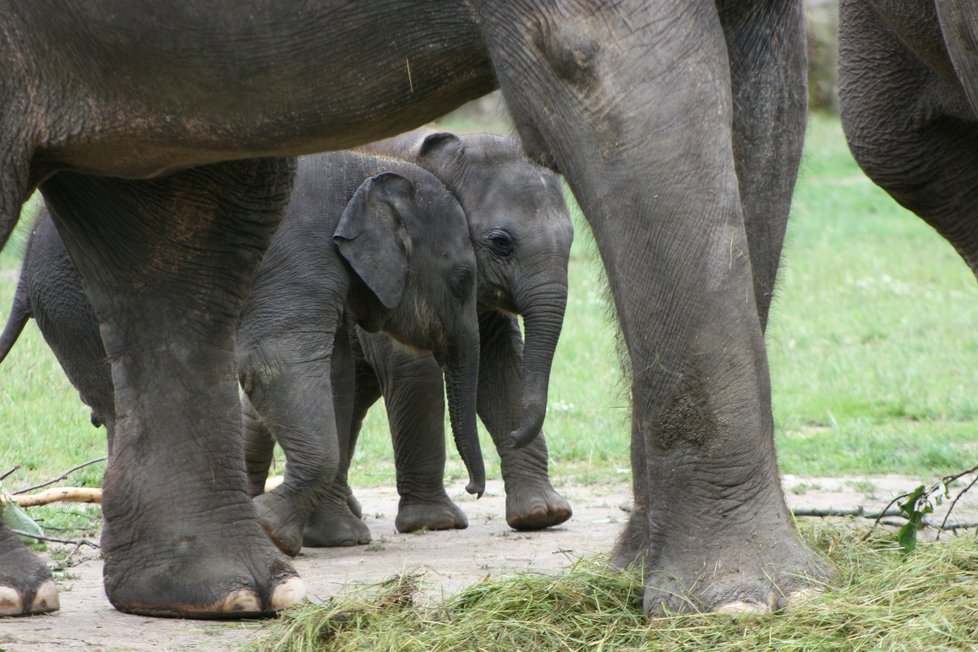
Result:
x=678 y=126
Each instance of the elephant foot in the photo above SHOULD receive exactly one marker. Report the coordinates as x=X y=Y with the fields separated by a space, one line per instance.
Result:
x=741 y=568
x=633 y=542
x=535 y=507
x=438 y=514
x=234 y=573
x=333 y=524
x=354 y=505
x=744 y=580
x=26 y=586
x=282 y=522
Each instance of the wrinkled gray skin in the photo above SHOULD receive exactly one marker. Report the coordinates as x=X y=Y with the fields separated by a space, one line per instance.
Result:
x=404 y=237
x=399 y=235
x=909 y=103
x=521 y=232
x=678 y=126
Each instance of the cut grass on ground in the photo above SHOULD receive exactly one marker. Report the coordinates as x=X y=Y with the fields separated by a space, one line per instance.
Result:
x=880 y=600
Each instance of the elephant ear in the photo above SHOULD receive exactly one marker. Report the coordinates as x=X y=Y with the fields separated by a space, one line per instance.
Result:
x=372 y=238
x=442 y=146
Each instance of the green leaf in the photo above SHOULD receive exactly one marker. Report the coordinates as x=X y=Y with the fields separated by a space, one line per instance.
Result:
x=907 y=537
x=16 y=518
x=909 y=507
x=915 y=507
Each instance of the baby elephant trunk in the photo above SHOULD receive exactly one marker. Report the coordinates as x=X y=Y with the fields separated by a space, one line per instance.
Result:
x=461 y=384
x=542 y=322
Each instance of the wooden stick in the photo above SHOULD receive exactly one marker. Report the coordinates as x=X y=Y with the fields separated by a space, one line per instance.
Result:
x=87 y=494
x=60 y=495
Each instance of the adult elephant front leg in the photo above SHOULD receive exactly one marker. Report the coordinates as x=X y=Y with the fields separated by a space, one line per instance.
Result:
x=26 y=585
x=635 y=107
x=167 y=264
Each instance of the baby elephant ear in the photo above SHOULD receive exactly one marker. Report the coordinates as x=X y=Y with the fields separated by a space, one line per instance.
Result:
x=371 y=235
x=442 y=145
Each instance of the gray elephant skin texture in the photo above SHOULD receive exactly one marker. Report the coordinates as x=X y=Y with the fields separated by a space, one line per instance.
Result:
x=678 y=126
x=521 y=231
x=365 y=242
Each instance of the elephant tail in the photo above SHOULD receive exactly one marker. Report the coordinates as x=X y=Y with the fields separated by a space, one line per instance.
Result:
x=20 y=312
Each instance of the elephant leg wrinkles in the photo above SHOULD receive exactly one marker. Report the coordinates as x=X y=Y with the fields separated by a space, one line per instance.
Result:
x=910 y=129
x=180 y=538
x=661 y=192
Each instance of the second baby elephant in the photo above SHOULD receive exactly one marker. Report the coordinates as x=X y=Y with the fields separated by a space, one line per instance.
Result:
x=365 y=241
x=521 y=232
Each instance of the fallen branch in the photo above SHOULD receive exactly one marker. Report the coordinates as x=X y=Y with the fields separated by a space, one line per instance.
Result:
x=954 y=502
x=878 y=516
x=44 y=537
x=858 y=511
x=62 y=476
x=60 y=495
x=84 y=494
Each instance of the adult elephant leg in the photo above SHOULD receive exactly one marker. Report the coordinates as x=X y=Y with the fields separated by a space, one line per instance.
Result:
x=414 y=397
x=167 y=264
x=635 y=108
x=770 y=106
x=910 y=128
x=26 y=585
x=333 y=522
x=531 y=501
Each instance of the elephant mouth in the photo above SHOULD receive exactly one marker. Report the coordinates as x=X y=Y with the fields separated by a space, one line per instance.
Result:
x=498 y=299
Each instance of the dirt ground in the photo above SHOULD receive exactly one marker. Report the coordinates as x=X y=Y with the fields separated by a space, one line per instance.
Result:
x=451 y=560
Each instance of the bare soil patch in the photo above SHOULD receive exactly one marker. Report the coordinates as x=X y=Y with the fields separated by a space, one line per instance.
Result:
x=450 y=560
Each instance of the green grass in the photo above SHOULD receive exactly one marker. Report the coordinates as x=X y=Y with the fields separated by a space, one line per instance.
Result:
x=880 y=600
x=872 y=341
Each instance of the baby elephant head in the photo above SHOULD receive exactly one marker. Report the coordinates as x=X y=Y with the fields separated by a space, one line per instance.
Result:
x=408 y=241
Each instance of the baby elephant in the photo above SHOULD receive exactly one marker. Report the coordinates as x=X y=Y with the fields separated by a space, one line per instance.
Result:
x=365 y=241
x=522 y=232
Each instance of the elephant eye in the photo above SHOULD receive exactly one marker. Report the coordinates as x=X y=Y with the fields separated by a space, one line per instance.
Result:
x=500 y=242
x=461 y=282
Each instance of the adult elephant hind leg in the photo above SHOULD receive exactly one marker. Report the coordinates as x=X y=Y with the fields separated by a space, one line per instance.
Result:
x=636 y=110
x=167 y=264
x=770 y=106
x=531 y=501
x=910 y=129
x=26 y=585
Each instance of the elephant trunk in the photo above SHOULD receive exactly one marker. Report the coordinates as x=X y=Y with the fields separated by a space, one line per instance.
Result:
x=461 y=385
x=543 y=317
